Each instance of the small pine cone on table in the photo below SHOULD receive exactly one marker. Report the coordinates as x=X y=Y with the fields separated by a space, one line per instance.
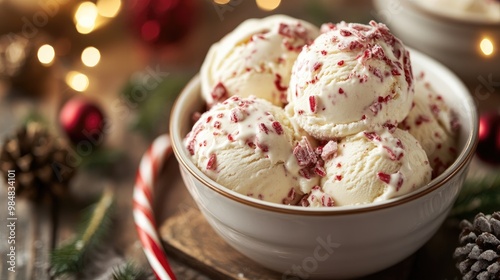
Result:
x=38 y=160
x=478 y=255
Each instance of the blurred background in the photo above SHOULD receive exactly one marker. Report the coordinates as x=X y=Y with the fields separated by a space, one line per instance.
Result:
x=114 y=67
x=53 y=50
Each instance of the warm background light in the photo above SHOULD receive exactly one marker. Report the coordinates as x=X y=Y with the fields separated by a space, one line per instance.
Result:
x=16 y=52
x=486 y=46
x=221 y=2
x=85 y=17
x=108 y=8
x=150 y=30
x=46 y=54
x=268 y=5
x=77 y=81
x=91 y=56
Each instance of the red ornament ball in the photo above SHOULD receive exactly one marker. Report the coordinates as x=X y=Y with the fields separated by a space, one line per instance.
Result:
x=488 y=148
x=161 y=22
x=82 y=121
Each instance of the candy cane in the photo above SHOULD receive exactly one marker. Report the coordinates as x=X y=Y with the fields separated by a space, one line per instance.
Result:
x=151 y=163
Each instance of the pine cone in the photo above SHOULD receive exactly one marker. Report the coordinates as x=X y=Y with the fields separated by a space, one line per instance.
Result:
x=478 y=256
x=39 y=163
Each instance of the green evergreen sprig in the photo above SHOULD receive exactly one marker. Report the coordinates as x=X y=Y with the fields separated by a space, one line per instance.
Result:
x=478 y=195
x=151 y=101
x=129 y=272
x=71 y=258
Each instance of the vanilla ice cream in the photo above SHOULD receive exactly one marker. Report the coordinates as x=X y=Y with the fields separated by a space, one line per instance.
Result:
x=375 y=166
x=318 y=120
x=317 y=198
x=433 y=124
x=251 y=146
x=351 y=78
x=256 y=58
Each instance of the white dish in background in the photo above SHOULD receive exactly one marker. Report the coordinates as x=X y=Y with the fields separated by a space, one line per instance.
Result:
x=459 y=42
x=337 y=242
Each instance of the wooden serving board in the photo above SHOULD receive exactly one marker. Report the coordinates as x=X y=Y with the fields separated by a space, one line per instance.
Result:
x=188 y=237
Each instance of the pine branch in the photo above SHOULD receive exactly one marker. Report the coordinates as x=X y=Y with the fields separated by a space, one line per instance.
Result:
x=102 y=159
x=155 y=101
x=478 y=195
x=71 y=258
x=129 y=272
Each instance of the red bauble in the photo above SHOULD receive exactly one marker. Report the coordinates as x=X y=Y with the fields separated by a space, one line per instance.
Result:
x=82 y=121
x=161 y=22
x=488 y=148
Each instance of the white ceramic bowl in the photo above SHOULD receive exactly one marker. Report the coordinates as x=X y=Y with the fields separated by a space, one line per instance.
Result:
x=340 y=242
x=452 y=40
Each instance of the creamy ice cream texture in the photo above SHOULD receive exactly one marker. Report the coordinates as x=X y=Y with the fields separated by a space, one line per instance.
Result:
x=354 y=130
x=352 y=77
x=317 y=198
x=375 y=166
x=256 y=58
x=433 y=124
x=249 y=145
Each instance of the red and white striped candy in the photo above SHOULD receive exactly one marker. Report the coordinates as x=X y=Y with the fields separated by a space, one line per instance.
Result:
x=151 y=164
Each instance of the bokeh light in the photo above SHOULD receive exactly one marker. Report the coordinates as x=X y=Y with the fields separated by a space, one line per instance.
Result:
x=77 y=81
x=108 y=8
x=91 y=56
x=16 y=51
x=486 y=46
x=46 y=54
x=150 y=30
x=221 y=2
x=85 y=17
x=268 y=5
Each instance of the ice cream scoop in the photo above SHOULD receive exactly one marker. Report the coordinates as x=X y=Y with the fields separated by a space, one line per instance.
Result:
x=375 y=166
x=433 y=124
x=351 y=78
x=256 y=58
x=251 y=146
